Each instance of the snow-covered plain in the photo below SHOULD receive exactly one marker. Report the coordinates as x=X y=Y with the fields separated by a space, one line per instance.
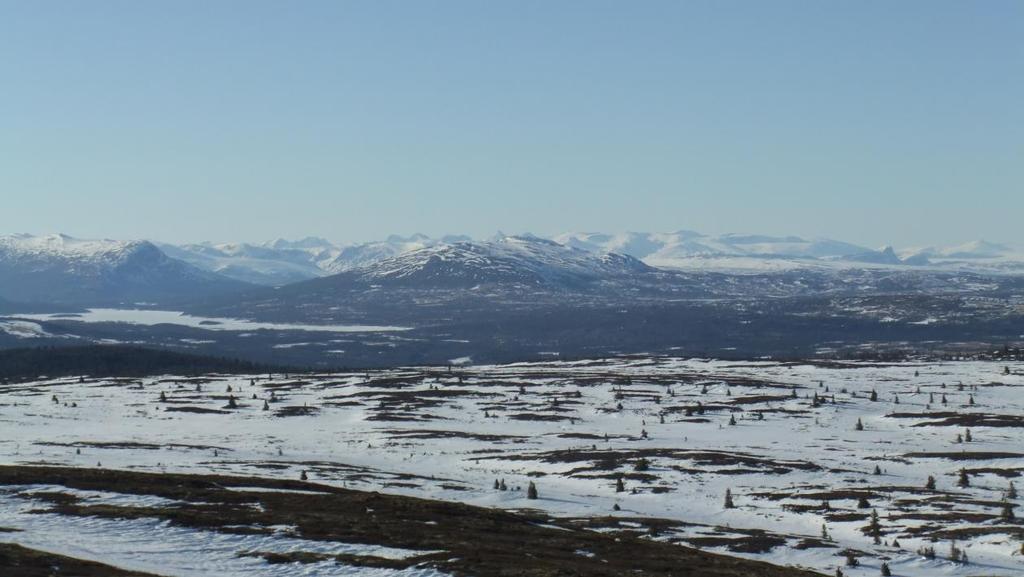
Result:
x=573 y=428
x=161 y=548
x=156 y=317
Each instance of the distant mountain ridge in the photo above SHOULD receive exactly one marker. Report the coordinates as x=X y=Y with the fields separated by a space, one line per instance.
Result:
x=282 y=262
x=60 y=269
x=689 y=250
x=526 y=260
x=668 y=249
x=63 y=269
x=273 y=263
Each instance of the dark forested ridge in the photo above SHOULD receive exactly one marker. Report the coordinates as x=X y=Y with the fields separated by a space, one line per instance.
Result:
x=114 y=360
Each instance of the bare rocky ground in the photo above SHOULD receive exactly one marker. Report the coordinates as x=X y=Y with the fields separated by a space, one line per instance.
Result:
x=18 y=561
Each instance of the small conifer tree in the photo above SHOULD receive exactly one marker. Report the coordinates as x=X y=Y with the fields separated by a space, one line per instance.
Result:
x=875 y=528
x=851 y=559
x=531 y=491
x=955 y=553
x=964 y=480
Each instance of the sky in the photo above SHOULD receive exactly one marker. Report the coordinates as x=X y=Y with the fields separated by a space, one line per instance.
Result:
x=871 y=121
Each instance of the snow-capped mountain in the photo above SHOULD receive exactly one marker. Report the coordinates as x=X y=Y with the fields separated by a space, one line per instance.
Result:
x=451 y=278
x=524 y=260
x=41 y=268
x=885 y=256
x=974 y=250
x=280 y=262
x=359 y=255
x=690 y=250
x=62 y=269
x=680 y=249
x=272 y=263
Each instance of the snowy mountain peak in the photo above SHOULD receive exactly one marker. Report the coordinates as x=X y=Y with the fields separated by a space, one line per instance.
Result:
x=61 y=268
x=685 y=248
x=976 y=249
x=510 y=259
x=310 y=242
x=68 y=248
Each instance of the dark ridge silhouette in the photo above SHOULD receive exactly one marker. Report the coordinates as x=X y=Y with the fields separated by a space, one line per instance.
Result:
x=115 y=361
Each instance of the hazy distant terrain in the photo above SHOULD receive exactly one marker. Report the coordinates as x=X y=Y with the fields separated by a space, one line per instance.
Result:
x=418 y=300
x=281 y=262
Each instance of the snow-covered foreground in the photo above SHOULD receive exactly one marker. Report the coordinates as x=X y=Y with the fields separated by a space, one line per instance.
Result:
x=795 y=462
x=158 y=547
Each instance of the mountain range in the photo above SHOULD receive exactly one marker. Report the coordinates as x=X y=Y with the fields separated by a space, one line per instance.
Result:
x=282 y=262
x=410 y=300
x=61 y=269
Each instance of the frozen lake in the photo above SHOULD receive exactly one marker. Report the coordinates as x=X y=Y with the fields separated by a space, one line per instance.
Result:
x=155 y=317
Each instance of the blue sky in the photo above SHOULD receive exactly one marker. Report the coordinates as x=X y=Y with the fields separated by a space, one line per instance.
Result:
x=871 y=121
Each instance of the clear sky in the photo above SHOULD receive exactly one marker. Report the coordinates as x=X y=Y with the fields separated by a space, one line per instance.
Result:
x=872 y=121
